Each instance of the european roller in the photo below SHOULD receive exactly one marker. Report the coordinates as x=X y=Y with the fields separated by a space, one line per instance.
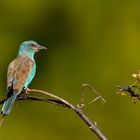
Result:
x=21 y=72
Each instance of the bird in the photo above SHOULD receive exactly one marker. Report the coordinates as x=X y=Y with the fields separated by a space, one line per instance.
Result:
x=20 y=73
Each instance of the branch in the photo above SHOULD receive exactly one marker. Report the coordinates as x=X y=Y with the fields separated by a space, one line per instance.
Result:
x=131 y=89
x=61 y=102
x=98 y=95
x=134 y=96
x=32 y=98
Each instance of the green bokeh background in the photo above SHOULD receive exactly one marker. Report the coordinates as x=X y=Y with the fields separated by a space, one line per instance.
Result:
x=92 y=41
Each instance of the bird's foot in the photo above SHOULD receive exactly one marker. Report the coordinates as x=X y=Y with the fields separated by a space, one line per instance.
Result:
x=27 y=91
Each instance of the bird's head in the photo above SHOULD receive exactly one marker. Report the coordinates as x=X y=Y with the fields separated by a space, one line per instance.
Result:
x=29 y=48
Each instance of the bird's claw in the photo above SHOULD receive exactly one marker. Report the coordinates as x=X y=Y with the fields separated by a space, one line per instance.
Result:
x=27 y=91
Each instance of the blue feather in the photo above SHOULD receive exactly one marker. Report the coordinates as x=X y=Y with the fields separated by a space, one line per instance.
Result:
x=8 y=104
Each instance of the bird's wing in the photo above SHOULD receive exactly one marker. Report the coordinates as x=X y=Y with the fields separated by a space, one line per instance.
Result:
x=30 y=76
x=18 y=72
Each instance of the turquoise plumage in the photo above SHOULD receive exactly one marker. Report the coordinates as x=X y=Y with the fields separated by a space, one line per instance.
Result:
x=21 y=72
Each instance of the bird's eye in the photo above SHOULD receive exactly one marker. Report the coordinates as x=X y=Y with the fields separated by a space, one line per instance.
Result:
x=33 y=45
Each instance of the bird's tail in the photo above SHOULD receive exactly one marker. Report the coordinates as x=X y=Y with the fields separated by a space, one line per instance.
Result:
x=8 y=104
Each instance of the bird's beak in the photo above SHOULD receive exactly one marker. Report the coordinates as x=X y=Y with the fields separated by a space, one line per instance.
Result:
x=40 y=47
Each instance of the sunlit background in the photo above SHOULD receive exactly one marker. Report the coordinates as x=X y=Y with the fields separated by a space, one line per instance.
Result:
x=92 y=41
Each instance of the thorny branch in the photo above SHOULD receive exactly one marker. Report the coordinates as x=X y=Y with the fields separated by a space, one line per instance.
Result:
x=61 y=102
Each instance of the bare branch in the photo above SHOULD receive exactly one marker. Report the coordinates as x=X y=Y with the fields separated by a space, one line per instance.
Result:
x=61 y=102
x=52 y=101
x=98 y=95
x=77 y=109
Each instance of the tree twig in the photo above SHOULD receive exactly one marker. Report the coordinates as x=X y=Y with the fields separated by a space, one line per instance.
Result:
x=134 y=95
x=98 y=95
x=61 y=102
x=32 y=98
x=131 y=89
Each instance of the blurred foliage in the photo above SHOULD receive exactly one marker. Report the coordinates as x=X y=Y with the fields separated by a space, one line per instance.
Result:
x=92 y=41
